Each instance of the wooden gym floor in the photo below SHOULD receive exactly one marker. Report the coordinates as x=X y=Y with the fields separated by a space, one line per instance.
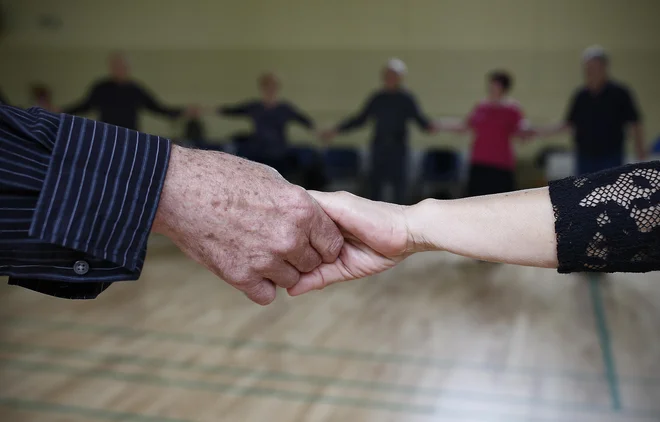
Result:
x=439 y=338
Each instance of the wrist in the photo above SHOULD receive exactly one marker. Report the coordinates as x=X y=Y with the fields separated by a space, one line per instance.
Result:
x=423 y=221
x=164 y=210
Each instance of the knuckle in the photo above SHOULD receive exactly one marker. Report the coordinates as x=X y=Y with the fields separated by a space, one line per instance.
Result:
x=289 y=243
x=272 y=263
x=335 y=244
x=260 y=266
x=264 y=264
x=242 y=276
x=299 y=194
x=311 y=264
x=301 y=204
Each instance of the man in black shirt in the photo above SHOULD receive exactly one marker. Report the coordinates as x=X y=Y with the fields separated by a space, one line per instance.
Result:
x=118 y=99
x=599 y=114
x=390 y=108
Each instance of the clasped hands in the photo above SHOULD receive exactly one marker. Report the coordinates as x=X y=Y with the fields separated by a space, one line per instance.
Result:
x=255 y=230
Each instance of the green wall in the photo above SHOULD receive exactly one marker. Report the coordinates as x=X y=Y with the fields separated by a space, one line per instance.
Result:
x=329 y=52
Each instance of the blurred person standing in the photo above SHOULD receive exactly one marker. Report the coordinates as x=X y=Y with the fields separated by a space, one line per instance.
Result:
x=118 y=98
x=494 y=121
x=598 y=115
x=390 y=108
x=270 y=116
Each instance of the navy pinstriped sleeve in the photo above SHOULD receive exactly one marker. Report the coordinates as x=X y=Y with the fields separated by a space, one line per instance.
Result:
x=75 y=190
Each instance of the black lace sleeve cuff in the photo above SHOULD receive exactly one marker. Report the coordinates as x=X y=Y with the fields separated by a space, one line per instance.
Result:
x=609 y=221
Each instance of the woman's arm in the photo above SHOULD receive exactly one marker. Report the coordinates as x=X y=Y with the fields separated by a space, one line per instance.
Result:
x=515 y=228
x=605 y=222
x=552 y=130
x=454 y=125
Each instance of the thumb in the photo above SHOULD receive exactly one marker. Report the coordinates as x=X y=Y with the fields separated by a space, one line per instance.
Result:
x=330 y=202
x=352 y=213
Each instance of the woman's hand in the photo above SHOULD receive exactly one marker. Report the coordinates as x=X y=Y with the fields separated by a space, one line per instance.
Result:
x=376 y=239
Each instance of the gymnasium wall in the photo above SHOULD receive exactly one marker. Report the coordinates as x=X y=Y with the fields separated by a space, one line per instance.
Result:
x=329 y=52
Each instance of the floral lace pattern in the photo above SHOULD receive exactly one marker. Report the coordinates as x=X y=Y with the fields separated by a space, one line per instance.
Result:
x=609 y=221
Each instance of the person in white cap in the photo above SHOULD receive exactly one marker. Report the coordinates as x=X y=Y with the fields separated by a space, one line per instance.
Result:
x=391 y=108
x=599 y=114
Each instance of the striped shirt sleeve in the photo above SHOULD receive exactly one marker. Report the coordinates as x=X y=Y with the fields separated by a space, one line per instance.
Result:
x=75 y=190
x=101 y=190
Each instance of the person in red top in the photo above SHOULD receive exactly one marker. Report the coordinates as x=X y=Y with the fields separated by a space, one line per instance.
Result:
x=495 y=122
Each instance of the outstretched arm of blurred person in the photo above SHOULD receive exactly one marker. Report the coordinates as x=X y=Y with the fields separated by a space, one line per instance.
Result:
x=353 y=122
x=85 y=105
x=423 y=122
x=155 y=106
x=300 y=117
x=633 y=117
x=452 y=124
x=607 y=222
x=242 y=109
x=637 y=130
x=563 y=127
x=79 y=199
x=555 y=129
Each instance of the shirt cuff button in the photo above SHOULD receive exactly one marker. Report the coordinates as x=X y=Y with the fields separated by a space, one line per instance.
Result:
x=81 y=267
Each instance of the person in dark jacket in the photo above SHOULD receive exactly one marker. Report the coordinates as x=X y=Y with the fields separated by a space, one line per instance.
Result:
x=390 y=108
x=118 y=99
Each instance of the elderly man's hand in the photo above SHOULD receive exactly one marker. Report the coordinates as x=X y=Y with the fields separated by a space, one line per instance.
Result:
x=244 y=222
x=377 y=238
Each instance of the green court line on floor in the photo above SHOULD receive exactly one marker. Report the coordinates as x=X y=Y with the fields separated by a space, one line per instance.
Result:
x=63 y=409
x=316 y=351
x=161 y=381
x=604 y=340
x=370 y=386
x=14 y=364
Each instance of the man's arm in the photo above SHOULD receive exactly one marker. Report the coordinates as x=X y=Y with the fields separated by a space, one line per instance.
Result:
x=90 y=193
x=301 y=117
x=422 y=121
x=79 y=196
x=633 y=117
x=152 y=104
x=637 y=130
x=237 y=110
x=85 y=105
x=353 y=122
x=555 y=129
x=359 y=119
